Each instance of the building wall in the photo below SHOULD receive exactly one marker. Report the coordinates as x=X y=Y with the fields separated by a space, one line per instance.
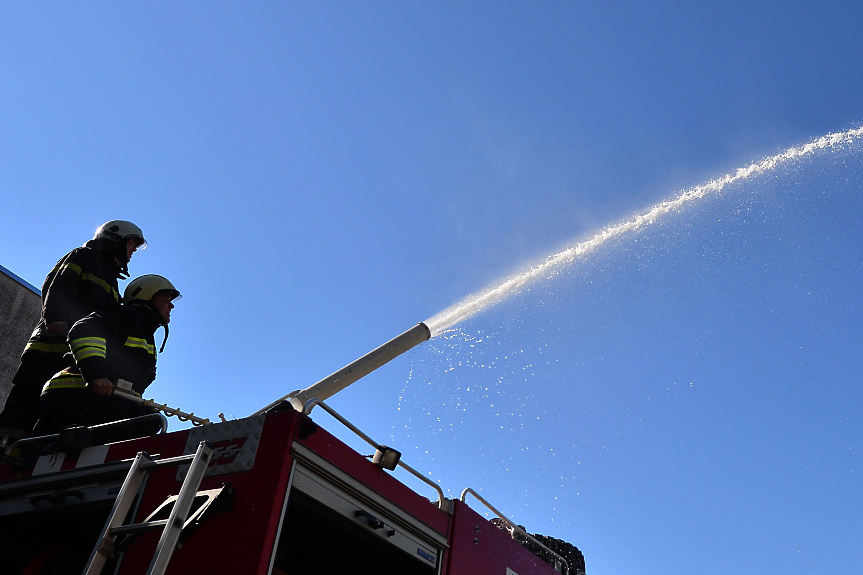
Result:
x=20 y=309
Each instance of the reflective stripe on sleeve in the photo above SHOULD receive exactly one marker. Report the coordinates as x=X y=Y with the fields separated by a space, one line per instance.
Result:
x=83 y=354
x=141 y=343
x=88 y=341
x=74 y=268
x=85 y=347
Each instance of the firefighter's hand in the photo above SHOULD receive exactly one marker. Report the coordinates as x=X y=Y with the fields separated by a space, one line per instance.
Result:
x=102 y=386
x=57 y=328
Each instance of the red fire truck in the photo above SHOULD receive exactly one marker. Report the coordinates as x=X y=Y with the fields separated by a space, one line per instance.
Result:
x=273 y=493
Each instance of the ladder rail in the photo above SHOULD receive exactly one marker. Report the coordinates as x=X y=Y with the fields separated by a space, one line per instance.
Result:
x=121 y=508
x=171 y=528
x=180 y=512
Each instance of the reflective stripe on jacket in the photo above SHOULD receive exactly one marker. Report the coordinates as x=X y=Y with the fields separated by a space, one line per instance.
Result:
x=83 y=281
x=113 y=343
x=65 y=380
x=60 y=348
x=68 y=379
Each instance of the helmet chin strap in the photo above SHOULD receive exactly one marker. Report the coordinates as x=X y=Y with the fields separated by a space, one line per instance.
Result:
x=158 y=315
x=122 y=258
x=165 y=340
x=117 y=250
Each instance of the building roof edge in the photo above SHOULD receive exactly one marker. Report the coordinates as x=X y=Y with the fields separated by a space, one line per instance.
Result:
x=21 y=281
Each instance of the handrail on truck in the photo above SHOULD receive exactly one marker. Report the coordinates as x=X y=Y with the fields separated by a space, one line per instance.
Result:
x=515 y=527
x=311 y=403
x=45 y=439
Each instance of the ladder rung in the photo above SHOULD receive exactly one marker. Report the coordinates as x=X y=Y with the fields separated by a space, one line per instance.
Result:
x=138 y=527
x=167 y=462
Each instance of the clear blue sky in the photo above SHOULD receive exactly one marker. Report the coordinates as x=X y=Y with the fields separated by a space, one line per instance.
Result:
x=318 y=177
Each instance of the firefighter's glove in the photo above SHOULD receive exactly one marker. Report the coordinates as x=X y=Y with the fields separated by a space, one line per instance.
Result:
x=102 y=387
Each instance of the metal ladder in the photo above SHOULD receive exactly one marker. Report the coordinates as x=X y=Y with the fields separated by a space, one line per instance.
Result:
x=171 y=527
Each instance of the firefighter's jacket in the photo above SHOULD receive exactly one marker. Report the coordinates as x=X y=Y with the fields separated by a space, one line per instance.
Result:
x=114 y=343
x=83 y=281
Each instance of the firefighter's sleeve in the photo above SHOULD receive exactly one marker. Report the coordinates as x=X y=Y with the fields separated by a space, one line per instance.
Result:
x=61 y=302
x=88 y=341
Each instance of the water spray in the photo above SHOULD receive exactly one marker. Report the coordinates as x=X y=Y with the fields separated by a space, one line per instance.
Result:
x=476 y=303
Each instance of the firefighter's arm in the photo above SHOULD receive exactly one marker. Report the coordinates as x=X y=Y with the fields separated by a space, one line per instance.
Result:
x=88 y=342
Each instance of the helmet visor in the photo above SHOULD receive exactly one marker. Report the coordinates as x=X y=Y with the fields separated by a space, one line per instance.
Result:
x=140 y=243
x=175 y=295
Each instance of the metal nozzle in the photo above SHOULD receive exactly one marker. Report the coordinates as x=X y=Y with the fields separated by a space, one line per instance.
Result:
x=339 y=380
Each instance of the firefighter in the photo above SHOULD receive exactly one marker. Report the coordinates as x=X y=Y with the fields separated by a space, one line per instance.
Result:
x=111 y=347
x=83 y=281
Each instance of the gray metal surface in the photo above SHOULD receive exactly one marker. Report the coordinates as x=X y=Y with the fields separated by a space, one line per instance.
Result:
x=20 y=309
x=236 y=444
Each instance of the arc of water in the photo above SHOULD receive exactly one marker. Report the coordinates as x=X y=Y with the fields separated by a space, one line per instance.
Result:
x=475 y=303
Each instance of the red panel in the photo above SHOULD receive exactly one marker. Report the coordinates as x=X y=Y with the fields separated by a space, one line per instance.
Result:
x=478 y=547
x=239 y=542
x=376 y=479
x=8 y=473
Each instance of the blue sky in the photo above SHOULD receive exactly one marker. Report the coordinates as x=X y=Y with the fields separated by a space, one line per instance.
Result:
x=316 y=178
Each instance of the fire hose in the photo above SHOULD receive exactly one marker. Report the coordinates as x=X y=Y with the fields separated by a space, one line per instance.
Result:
x=119 y=391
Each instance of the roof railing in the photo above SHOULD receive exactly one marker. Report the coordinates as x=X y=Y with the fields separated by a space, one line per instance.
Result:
x=311 y=403
x=561 y=562
x=103 y=427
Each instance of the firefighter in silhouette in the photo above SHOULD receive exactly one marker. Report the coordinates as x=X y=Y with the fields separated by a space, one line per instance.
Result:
x=83 y=281
x=113 y=347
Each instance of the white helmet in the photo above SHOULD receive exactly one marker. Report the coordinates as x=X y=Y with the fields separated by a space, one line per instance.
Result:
x=146 y=287
x=121 y=230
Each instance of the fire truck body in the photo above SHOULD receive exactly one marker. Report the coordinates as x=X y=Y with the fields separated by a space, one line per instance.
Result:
x=280 y=495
